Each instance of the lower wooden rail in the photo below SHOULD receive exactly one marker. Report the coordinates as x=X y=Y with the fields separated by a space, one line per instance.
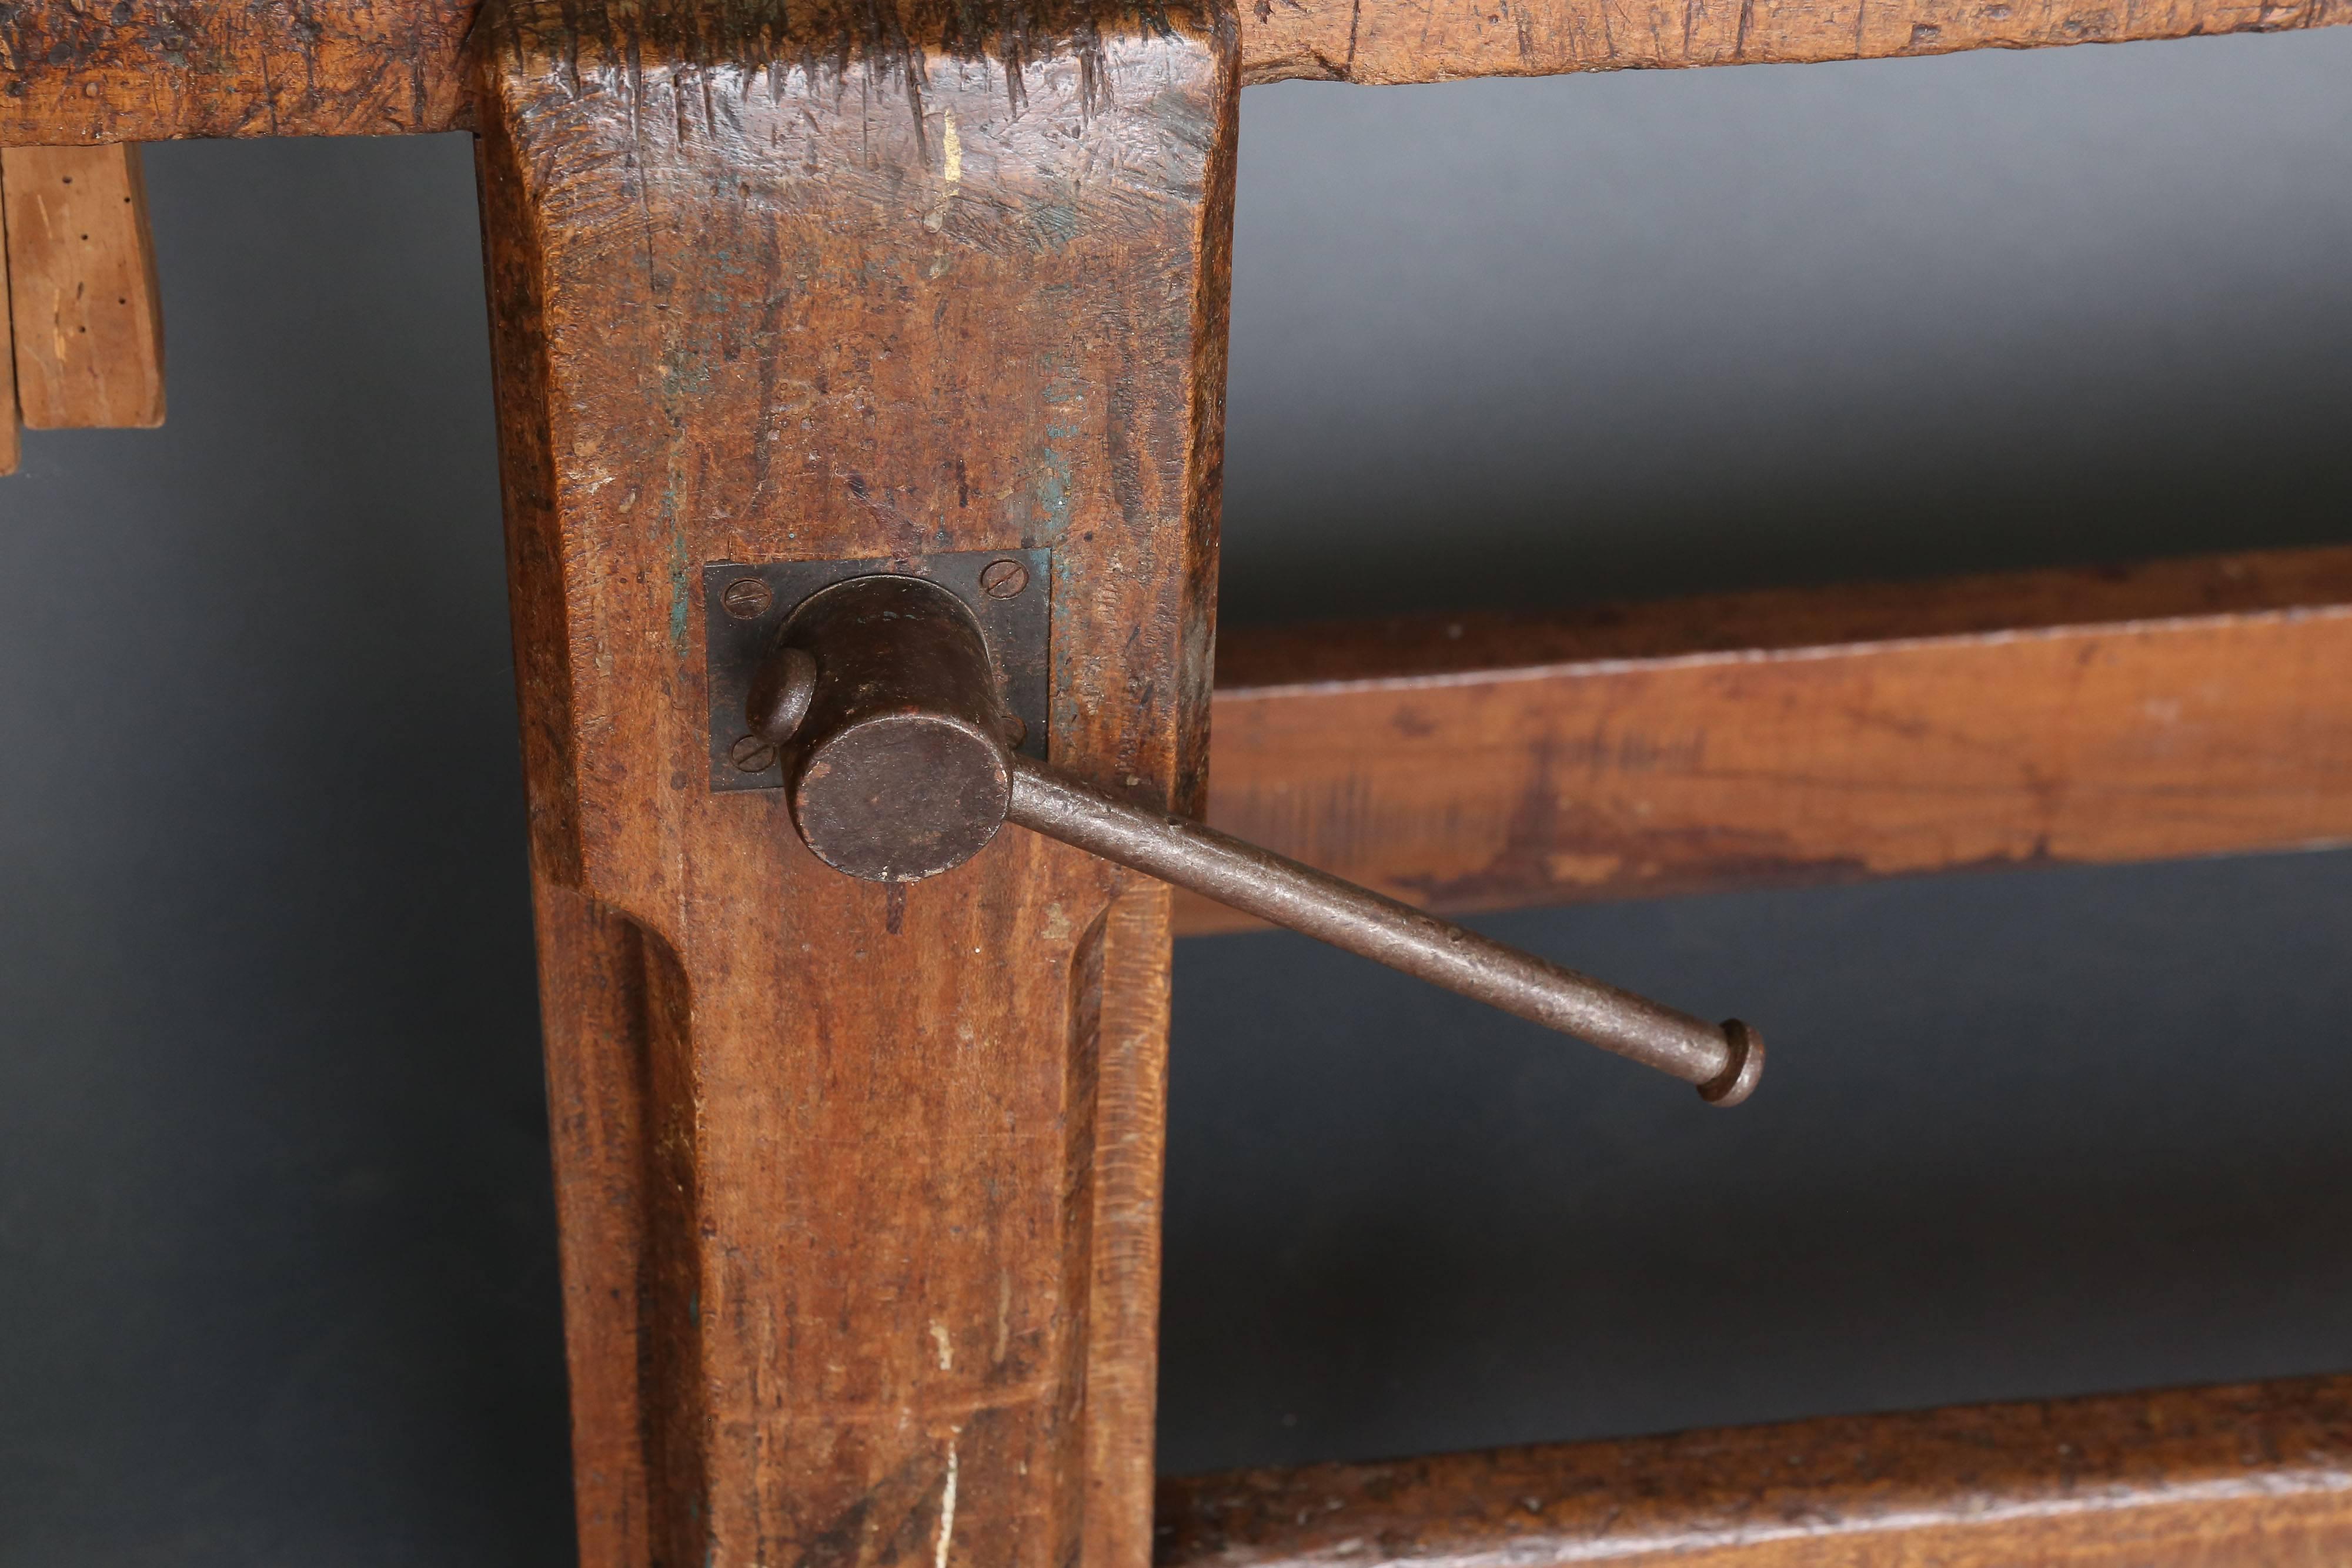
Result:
x=2258 y=1474
x=2184 y=708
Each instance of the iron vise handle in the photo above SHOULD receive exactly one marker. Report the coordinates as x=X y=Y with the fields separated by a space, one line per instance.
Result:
x=900 y=764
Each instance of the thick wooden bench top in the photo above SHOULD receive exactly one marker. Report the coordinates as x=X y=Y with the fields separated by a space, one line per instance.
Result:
x=364 y=67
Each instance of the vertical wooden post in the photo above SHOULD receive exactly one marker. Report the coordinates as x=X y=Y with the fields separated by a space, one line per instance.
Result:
x=859 y=1187
x=89 y=313
x=11 y=425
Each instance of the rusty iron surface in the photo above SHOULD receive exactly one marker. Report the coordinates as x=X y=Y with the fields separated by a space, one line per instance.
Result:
x=1723 y=1061
x=1017 y=629
x=903 y=767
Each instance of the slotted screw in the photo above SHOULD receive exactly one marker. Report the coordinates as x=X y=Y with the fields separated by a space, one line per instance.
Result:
x=747 y=598
x=1003 y=578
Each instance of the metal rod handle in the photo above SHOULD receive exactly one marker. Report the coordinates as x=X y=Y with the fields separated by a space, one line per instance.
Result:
x=1725 y=1061
x=901 y=765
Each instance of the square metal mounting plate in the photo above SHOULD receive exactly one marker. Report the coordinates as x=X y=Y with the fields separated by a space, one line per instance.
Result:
x=1018 y=627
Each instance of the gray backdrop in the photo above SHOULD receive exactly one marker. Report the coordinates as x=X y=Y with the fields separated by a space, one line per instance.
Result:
x=276 y=1250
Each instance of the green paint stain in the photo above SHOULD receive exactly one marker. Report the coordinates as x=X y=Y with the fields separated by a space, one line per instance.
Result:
x=1051 y=490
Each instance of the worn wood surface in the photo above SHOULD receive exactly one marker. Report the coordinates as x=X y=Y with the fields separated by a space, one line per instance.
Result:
x=11 y=438
x=88 y=312
x=2178 y=709
x=150 y=70
x=2257 y=1475
x=1381 y=41
x=154 y=70
x=859 y=1187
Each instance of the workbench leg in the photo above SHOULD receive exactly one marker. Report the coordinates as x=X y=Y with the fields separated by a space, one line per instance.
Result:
x=859 y=1185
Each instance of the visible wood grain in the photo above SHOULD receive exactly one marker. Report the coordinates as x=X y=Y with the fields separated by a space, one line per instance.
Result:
x=148 y=70
x=2257 y=1475
x=151 y=71
x=596 y=989
x=859 y=1185
x=1384 y=41
x=11 y=438
x=2179 y=709
x=88 y=315
x=1123 y=1333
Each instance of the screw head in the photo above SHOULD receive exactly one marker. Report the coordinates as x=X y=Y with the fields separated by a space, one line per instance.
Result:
x=747 y=598
x=1003 y=578
x=752 y=755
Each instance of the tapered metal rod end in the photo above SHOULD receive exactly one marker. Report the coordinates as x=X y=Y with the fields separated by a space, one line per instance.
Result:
x=1737 y=1081
x=899 y=760
x=1723 y=1061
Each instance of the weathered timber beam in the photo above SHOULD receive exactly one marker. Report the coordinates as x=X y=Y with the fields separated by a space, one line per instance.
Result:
x=152 y=70
x=77 y=73
x=87 y=312
x=1394 y=41
x=2257 y=1475
x=858 y=1184
x=2178 y=709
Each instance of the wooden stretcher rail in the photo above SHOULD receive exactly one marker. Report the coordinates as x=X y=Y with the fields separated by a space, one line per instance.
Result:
x=2257 y=1475
x=148 y=70
x=2179 y=709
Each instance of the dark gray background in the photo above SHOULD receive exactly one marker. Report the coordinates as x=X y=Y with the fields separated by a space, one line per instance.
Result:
x=275 y=1251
